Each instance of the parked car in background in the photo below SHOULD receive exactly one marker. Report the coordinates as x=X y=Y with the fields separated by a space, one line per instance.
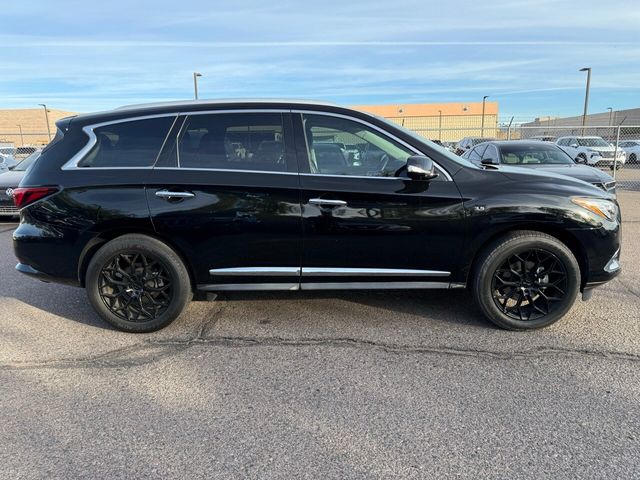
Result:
x=468 y=142
x=9 y=181
x=594 y=151
x=542 y=156
x=632 y=149
x=129 y=205
x=7 y=161
x=543 y=138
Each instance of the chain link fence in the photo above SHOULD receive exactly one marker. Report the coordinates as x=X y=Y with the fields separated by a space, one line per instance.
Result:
x=614 y=149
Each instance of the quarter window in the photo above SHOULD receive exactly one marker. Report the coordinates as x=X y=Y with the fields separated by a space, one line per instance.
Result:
x=128 y=144
x=237 y=141
x=338 y=146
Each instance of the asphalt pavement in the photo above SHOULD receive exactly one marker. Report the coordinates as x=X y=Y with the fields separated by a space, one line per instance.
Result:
x=333 y=384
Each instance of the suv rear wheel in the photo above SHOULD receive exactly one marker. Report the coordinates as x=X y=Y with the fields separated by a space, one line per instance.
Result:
x=526 y=280
x=137 y=283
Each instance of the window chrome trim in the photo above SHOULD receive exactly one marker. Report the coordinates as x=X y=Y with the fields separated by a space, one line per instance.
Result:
x=379 y=129
x=225 y=170
x=257 y=271
x=371 y=272
x=72 y=163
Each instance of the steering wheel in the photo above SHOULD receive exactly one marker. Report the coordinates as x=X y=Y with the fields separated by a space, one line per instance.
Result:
x=384 y=161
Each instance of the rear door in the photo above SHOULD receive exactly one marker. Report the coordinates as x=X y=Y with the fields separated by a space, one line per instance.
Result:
x=365 y=224
x=225 y=191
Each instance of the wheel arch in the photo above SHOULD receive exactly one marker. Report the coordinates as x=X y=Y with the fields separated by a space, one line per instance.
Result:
x=562 y=235
x=98 y=241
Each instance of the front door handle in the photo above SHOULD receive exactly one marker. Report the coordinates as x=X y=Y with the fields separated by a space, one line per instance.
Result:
x=327 y=203
x=168 y=194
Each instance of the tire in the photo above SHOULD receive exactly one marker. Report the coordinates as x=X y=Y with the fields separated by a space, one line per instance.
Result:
x=496 y=299
x=130 y=296
x=633 y=158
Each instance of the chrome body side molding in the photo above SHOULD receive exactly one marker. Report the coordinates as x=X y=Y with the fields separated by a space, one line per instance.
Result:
x=370 y=272
x=257 y=271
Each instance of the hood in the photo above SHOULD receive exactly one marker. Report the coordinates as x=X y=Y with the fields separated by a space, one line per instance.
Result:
x=564 y=184
x=608 y=148
x=581 y=172
x=10 y=179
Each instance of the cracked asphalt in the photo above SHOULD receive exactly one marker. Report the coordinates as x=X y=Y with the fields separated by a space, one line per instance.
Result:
x=336 y=385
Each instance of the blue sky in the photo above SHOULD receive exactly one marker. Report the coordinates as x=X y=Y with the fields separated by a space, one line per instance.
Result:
x=90 y=55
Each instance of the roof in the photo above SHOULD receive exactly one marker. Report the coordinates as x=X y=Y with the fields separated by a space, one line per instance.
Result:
x=222 y=101
x=196 y=105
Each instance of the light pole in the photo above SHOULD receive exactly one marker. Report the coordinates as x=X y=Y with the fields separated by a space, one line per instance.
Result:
x=195 y=83
x=484 y=101
x=21 y=137
x=46 y=118
x=610 y=115
x=586 y=97
x=440 y=126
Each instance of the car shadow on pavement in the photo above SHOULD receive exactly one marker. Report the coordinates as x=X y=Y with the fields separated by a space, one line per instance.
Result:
x=435 y=306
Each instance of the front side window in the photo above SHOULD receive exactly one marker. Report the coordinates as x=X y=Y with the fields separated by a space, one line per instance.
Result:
x=128 y=144
x=339 y=146
x=236 y=141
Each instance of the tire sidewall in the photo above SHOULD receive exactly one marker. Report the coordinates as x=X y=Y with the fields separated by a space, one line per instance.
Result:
x=495 y=258
x=154 y=248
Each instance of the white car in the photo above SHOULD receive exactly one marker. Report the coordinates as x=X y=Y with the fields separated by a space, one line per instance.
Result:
x=594 y=151
x=6 y=162
x=632 y=149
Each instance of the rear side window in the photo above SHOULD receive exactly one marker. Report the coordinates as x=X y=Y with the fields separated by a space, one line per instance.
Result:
x=128 y=144
x=231 y=141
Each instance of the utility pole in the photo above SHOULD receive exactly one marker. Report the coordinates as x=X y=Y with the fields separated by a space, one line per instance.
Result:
x=21 y=137
x=484 y=101
x=610 y=115
x=195 y=83
x=46 y=119
x=440 y=126
x=586 y=97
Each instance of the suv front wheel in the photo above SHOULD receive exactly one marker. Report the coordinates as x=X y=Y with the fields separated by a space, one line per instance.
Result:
x=526 y=280
x=138 y=283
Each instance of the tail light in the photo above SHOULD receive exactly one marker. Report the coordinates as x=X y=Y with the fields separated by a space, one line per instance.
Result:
x=27 y=195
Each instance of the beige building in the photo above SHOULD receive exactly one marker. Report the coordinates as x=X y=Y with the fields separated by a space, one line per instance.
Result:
x=32 y=123
x=448 y=122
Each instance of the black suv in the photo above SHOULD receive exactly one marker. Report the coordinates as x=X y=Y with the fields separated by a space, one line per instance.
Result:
x=146 y=205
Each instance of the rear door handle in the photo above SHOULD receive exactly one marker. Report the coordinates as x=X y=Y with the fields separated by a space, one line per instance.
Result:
x=327 y=202
x=169 y=194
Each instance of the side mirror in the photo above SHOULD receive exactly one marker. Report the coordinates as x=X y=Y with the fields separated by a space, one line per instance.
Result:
x=489 y=161
x=420 y=167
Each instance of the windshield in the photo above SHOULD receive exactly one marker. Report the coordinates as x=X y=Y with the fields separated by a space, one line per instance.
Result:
x=592 y=142
x=24 y=164
x=534 y=155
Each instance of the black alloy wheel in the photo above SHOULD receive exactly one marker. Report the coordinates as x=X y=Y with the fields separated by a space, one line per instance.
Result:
x=135 y=286
x=138 y=283
x=529 y=284
x=525 y=280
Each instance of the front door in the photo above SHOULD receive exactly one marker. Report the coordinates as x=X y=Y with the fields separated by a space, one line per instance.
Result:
x=365 y=224
x=225 y=191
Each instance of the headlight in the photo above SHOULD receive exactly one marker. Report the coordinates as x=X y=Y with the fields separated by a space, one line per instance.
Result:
x=601 y=207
